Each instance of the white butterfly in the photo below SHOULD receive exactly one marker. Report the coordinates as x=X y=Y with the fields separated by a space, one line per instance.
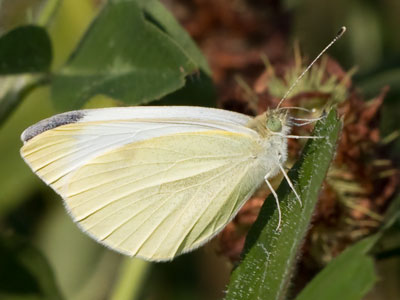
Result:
x=156 y=182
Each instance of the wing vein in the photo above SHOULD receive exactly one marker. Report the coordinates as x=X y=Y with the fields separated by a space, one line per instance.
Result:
x=197 y=220
x=117 y=179
x=141 y=189
x=165 y=201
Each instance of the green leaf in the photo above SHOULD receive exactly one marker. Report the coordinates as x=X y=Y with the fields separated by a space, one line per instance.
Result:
x=25 y=49
x=199 y=90
x=347 y=277
x=25 y=273
x=270 y=255
x=34 y=51
x=351 y=275
x=163 y=18
x=125 y=56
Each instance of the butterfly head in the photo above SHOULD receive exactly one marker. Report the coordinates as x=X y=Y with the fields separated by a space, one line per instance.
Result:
x=274 y=124
x=271 y=122
x=276 y=121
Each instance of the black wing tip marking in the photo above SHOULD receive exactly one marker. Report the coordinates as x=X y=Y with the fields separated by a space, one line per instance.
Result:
x=51 y=123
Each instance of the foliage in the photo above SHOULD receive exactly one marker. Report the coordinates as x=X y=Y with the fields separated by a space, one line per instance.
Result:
x=26 y=49
x=126 y=56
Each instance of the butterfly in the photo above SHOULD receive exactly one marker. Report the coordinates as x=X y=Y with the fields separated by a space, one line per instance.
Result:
x=156 y=182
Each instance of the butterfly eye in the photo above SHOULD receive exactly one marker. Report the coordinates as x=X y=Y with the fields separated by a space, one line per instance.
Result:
x=274 y=124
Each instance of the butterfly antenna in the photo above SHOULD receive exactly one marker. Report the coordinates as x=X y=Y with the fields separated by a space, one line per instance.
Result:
x=338 y=36
x=295 y=107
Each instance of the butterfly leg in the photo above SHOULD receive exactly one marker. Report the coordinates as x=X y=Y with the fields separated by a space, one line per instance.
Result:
x=276 y=200
x=303 y=137
x=299 y=136
x=290 y=183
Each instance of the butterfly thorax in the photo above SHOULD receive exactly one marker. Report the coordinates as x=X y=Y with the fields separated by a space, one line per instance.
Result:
x=272 y=127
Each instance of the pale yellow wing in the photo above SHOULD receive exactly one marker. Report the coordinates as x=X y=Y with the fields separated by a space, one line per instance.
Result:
x=156 y=198
x=161 y=197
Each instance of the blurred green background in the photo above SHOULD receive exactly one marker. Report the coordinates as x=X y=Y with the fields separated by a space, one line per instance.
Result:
x=85 y=270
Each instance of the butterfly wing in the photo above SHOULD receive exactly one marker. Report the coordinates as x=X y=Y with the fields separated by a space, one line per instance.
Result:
x=150 y=188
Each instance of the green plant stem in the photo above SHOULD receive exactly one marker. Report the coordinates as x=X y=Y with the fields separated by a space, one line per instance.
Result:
x=132 y=273
x=13 y=90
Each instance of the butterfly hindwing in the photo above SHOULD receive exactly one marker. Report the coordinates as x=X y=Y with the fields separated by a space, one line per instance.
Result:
x=164 y=196
x=150 y=187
